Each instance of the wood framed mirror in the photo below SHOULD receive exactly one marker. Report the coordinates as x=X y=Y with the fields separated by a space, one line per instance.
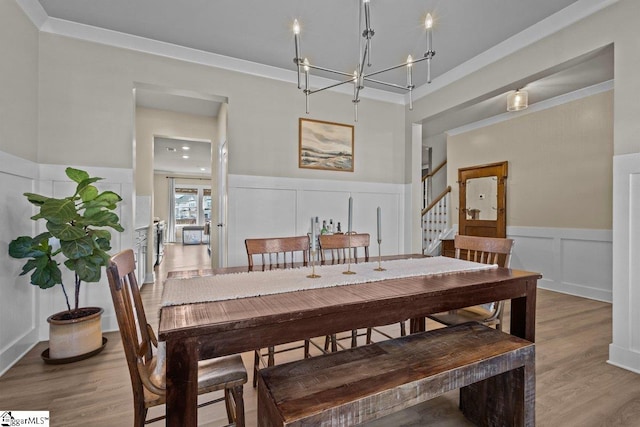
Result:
x=483 y=200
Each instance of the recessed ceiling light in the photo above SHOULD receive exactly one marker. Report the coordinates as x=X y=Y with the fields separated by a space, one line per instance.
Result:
x=185 y=156
x=171 y=149
x=203 y=169
x=185 y=147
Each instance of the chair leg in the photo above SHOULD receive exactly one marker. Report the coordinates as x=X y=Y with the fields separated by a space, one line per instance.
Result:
x=306 y=349
x=272 y=356
x=139 y=414
x=403 y=329
x=369 y=335
x=354 y=338
x=256 y=366
x=327 y=340
x=228 y=404
x=234 y=403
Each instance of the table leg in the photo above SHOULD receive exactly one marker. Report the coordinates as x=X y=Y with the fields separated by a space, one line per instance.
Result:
x=523 y=314
x=182 y=383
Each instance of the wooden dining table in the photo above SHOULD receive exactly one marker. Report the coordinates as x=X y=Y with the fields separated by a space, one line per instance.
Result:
x=205 y=330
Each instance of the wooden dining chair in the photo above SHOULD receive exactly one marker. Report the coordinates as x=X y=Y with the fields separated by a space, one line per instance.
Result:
x=147 y=371
x=485 y=250
x=276 y=253
x=340 y=249
x=337 y=248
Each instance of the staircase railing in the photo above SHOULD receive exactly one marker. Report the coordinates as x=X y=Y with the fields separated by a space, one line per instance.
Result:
x=435 y=222
x=427 y=191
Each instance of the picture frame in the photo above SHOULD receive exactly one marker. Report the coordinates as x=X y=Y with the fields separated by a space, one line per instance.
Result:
x=325 y=145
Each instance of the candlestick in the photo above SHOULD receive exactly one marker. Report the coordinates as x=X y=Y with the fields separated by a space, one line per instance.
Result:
x=379 y=258
x=349 y=254
x=314 y=237
x=350 y=221
x=379 y=224
x=313 y=274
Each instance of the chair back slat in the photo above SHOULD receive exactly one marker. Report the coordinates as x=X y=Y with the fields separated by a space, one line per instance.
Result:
x=486 y=250
x=334 y=248
x=278 y=252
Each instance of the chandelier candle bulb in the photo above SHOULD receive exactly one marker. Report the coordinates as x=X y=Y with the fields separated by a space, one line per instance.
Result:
x=296 y=38
x=428 y=23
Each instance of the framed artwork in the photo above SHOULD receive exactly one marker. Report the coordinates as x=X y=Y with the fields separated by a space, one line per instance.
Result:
x=325 y=145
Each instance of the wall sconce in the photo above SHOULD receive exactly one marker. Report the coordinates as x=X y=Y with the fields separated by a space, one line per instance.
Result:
x=518 y=100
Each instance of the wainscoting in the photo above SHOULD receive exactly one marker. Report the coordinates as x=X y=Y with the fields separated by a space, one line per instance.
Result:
x=572 y=261
x=24 y=308
x=276 y=207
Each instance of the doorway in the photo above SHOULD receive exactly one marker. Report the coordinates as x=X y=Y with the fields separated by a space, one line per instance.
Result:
x=186 y=119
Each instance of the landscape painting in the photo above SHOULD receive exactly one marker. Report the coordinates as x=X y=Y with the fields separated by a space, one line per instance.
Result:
x=325 y=145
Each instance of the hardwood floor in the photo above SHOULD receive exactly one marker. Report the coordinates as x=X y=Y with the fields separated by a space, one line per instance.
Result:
x=575 y=385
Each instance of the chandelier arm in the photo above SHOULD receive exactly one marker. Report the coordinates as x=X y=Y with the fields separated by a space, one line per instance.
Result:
x=394 y=67
x=386 y=84
x=329 y=70
x=311 y=92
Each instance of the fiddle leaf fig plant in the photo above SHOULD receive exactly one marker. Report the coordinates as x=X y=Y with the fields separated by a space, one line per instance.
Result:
x=77 y=231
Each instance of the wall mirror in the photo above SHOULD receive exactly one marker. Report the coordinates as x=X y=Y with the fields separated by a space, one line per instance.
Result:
x=483 y=200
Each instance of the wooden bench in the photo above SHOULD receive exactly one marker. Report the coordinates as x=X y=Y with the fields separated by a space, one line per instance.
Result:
x=494 y=371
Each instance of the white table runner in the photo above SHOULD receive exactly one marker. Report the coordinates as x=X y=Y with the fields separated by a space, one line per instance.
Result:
x=248 y=284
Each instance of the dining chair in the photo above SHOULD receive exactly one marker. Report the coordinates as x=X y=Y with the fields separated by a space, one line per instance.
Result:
x=485 y=250
x=147 y=370
x=340 y=249
x=269 y=254
x=337 y=248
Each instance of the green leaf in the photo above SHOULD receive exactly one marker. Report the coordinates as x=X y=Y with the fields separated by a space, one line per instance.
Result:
x=86 y=270
x=36 y=199
x=103 y=244
x=76 y=175
x=27 y=247
x=59 y=211
x=86 y=183
x=65 y=231
x=102 y=219
x=46 y=275
x=28 y=266
x=88 y=193
x=110 y=197
x=78 y=248
x=101 y=234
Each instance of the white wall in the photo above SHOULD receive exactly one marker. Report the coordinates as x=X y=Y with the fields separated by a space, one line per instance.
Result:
x=19 y=90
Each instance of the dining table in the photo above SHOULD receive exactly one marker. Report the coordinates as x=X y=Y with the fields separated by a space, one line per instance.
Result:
x=217 y=324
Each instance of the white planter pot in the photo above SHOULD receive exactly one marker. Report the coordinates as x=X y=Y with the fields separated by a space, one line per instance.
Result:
x=73 y=338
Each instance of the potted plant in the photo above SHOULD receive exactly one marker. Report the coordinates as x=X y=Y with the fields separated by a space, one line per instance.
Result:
x=77 y=232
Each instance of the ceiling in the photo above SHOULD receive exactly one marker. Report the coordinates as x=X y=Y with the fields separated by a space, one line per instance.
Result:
x=168 y=157
x=260 y=32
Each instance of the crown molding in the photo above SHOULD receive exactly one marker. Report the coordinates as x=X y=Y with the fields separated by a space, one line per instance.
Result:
x=34 y=11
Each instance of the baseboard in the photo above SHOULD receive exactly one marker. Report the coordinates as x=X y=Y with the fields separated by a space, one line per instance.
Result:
x=13 y=352
x=624 y=358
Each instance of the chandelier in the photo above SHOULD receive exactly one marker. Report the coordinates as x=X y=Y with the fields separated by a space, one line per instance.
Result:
x=360 y=76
